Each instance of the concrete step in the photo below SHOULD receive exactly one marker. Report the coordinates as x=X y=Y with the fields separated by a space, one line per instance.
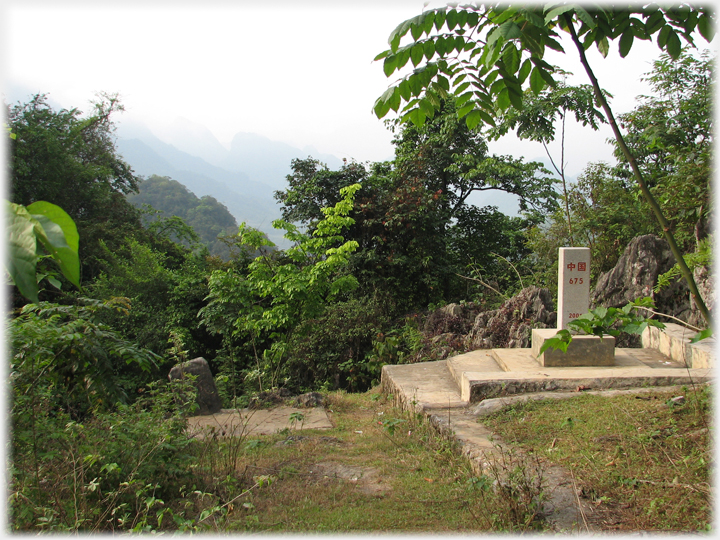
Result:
x=504 y=372
x=422 y=386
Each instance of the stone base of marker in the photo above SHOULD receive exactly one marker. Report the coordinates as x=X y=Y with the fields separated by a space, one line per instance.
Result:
x=583 y=350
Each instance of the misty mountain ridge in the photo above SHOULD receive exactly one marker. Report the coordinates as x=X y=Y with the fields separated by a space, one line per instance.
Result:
x=243 y=178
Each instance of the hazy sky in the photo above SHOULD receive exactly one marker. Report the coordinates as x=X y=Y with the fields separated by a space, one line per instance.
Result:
x=299 y=72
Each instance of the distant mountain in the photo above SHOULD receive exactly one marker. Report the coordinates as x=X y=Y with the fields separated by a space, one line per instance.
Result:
x=255 y=156
x=243 y=178
x=247 y=201
x=269 y=161
x=205 y=215
x=194 y=139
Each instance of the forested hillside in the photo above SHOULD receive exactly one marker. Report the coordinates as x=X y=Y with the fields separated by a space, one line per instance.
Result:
x=374 y=248
x=206 y=216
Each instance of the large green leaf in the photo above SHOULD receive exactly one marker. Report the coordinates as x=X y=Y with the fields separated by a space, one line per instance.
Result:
x=536 y=81
x=61 y=238
x=626 y=42
x=22 y=249
x=510 y=30
x=706 y=28
x=673 y=45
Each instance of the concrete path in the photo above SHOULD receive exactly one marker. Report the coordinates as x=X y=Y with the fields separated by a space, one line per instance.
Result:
x=453 y=394
x=244 y=422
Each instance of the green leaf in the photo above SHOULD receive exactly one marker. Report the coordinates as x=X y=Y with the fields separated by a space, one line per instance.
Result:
x=584 y=16
x=626 y=42
x=443 y=82
x=390 y=64
x=404 y=88
x=22 y=250
x=655 y=22
x=381 y=55
x=473 y=119
x=674 y=46
x=556 y=12
x=395 y=99
x=462 y=111
x=440 y=46
x=54 y=282
x=61 y=238
x=503 y=99
x=440 y=17
x=427 y=108
x=548 y=78
x=428 y=21
x=515 y=94
x=382 y=106
x=561 y=341
x=511 y=57
x=394 y=43
x=416 y=31
x=663 y=36
x=503 y=14
x=537 y=83
x=524 y=71
x=703 y=334
x=451 y=19
x=510 y=30
x=603 y=45
x=429 y=49
x=416 y=54
x=706 y=27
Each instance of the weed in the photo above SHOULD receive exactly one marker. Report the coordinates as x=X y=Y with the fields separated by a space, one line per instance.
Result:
x=626 y=452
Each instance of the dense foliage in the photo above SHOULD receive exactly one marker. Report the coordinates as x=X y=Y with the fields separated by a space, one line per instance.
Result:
x=205 y=215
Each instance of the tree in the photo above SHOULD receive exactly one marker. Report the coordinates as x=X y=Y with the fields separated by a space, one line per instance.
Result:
x=69 y=160
x=670 y=135
x=488 y=53
x=536 y=121
x=205 y=217
x=281 y=290
x=453 y=160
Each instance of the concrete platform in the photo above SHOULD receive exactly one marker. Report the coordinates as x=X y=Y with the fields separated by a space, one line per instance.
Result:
x=455 y=393
x=522 y=373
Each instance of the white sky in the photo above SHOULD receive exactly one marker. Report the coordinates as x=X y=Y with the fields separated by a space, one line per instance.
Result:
x=299 y=72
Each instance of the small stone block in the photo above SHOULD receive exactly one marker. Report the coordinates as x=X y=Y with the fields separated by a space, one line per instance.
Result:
x=583 y=350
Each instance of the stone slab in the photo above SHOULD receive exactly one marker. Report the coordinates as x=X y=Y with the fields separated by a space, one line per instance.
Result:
x=421 y=386
x=674 y=341
x=582 y=351
x=478 y=386
x=246 y=422
x=478 y=360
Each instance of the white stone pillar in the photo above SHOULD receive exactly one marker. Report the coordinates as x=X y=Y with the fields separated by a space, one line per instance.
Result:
x=573 y=284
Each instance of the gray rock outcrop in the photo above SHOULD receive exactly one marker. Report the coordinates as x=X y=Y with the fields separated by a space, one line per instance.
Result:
x=511 y=325
x=636 y=274
x=207 y=397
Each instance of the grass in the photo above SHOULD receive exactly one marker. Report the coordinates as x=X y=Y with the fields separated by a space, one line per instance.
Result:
x=378 y=469
x=643 y=461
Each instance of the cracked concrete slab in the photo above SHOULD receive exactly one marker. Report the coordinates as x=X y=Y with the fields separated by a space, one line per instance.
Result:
x=243 y=422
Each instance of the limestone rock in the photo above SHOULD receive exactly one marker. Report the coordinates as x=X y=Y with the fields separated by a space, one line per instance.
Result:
x=511 y=325
x=636 y=273
x=207 y=398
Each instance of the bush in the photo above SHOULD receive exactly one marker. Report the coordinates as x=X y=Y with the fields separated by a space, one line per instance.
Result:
x=107 y=473
x=333 y=349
